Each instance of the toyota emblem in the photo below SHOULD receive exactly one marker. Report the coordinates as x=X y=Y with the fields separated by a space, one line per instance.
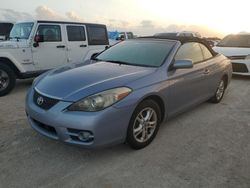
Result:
x=40 y=100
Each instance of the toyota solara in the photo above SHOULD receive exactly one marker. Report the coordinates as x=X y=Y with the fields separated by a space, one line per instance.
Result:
x=123 y=94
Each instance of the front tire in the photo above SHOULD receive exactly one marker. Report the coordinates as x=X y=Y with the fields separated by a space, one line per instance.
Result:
x=144 y=124
x=7 y=79
x=219 y=92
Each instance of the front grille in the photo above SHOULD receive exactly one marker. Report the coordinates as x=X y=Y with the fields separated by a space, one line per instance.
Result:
x=44 y=102
x=46 y=128
x=240 y=67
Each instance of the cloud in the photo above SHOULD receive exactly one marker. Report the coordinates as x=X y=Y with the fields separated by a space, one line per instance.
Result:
x=147 y=23
x=13 y=16
x=46 y=13
x=73 y=16
x=143 y=27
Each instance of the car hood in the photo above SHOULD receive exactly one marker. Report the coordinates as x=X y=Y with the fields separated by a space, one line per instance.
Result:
x=76 y=81
x=232 y=51
x=12 y=44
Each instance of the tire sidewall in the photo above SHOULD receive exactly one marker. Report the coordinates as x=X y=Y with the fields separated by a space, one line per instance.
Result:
x=130 y=135
x=12 y=79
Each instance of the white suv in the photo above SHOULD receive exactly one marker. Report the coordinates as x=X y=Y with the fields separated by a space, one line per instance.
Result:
x=236 y=48
x=37 y=46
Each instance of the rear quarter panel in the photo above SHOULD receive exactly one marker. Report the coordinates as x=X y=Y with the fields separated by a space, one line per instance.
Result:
x=224 y=68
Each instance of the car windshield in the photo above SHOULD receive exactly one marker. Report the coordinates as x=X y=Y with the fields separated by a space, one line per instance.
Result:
x=242 y=41
x=138 y=52
x=21 y=30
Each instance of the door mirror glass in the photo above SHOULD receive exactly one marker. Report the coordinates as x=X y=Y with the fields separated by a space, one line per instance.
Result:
x=183 y=64
x=39 y=38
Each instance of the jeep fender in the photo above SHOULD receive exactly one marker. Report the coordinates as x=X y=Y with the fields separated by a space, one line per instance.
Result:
x=8 y=58
x=91 y=52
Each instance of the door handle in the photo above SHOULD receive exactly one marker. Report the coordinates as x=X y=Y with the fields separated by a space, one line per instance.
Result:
x=207 y=71
x=83 y=45
x=60 y=46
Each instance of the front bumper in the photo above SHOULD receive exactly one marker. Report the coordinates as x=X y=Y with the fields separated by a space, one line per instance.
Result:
x=108 y=127
x=241 y=67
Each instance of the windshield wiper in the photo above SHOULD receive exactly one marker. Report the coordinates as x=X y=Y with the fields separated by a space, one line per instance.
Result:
x=17 y=38
x=123 y=63
x=118 y=62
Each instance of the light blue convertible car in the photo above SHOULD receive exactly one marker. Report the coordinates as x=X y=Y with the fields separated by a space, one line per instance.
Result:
x=123 y=94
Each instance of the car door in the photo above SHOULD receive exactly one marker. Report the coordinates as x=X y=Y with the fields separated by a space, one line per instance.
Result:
x=212 y=71
x=188 y=85
x=77 y=45
x=51 y=52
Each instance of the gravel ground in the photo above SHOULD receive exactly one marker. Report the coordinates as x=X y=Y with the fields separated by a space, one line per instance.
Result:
x=208 y=146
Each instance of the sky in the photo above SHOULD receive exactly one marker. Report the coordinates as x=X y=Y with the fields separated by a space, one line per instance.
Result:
x=143 y=17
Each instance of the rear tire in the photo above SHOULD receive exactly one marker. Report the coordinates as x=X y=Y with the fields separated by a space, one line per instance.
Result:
x=219 y=92
x=144 y=124
x=7 y=79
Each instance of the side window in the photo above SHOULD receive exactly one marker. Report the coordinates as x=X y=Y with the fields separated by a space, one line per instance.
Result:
x=5 y=28
x=191 y=51
x=76 y=33
x=51 y=33
x=97 y=35
x=206 y=53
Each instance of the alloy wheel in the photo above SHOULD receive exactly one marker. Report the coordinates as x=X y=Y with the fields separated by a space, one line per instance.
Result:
x=220 y=90
x=145 y=124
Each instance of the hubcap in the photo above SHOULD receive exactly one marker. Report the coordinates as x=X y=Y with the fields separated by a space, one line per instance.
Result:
x=220 y=90
x=4 y=80
x=144 y=125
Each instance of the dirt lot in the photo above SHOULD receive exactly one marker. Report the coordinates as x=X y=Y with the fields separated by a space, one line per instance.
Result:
x=208 y=146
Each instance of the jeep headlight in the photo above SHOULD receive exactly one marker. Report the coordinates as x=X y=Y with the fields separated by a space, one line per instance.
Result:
x=100 y=100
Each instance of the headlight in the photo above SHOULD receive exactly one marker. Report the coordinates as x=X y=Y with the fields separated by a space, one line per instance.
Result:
x=100 y=100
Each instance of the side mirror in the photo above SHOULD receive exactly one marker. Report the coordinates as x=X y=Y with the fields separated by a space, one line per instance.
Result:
x=122 y=37
x=37 y=39
x=183 y=64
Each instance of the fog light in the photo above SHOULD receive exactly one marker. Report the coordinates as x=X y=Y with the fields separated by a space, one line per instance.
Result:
x=85 y=136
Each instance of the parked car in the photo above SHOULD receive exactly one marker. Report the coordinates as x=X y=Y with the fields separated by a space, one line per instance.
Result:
x=37 y=46
x=115 y=36
x=236 y=48
x=179 y=34
x=125 y=35
x=212 y=41
x=126 y=92
x=5 y=28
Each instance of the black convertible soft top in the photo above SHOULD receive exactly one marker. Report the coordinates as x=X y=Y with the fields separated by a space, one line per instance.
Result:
x=183 y=40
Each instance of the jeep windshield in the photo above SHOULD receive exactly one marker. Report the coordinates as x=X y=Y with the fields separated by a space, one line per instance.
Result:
x=21 y=30
x=241 y=41
x=146 y=53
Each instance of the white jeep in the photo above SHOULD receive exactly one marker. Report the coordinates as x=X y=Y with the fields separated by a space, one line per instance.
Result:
x=37 y=46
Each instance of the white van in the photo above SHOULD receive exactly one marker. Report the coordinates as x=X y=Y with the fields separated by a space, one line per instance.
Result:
x=37 y=46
